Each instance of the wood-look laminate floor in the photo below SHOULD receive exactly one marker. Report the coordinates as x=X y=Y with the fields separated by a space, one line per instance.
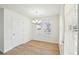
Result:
x=34 y=47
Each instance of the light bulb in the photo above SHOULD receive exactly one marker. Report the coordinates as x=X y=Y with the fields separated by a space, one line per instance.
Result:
x=39 y=21
x=34 y=21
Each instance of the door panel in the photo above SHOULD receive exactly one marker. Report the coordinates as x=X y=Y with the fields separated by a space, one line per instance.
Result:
x=70 y=27
x=18 y=28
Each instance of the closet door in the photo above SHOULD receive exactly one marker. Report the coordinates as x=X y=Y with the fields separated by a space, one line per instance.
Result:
x=18 y=28
x=71 y=24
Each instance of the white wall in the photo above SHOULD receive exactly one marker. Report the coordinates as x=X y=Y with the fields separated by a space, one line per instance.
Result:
x=17 y=29
x=1 y=29
x=53 y=36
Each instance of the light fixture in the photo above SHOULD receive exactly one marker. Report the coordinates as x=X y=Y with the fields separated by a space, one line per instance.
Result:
x=36 y=19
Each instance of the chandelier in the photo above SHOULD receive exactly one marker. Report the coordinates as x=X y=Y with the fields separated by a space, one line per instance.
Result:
x=36 y=19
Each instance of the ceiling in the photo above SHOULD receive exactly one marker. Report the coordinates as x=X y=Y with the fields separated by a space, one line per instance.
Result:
x=31 y=10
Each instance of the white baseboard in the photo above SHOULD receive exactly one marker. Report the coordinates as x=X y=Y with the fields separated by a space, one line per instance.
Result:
x=46 y=41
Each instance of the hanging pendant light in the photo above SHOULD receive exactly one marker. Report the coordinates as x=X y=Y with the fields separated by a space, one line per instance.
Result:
x=36 y=18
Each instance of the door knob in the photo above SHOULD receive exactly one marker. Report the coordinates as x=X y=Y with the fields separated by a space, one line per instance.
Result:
x=75 y=28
